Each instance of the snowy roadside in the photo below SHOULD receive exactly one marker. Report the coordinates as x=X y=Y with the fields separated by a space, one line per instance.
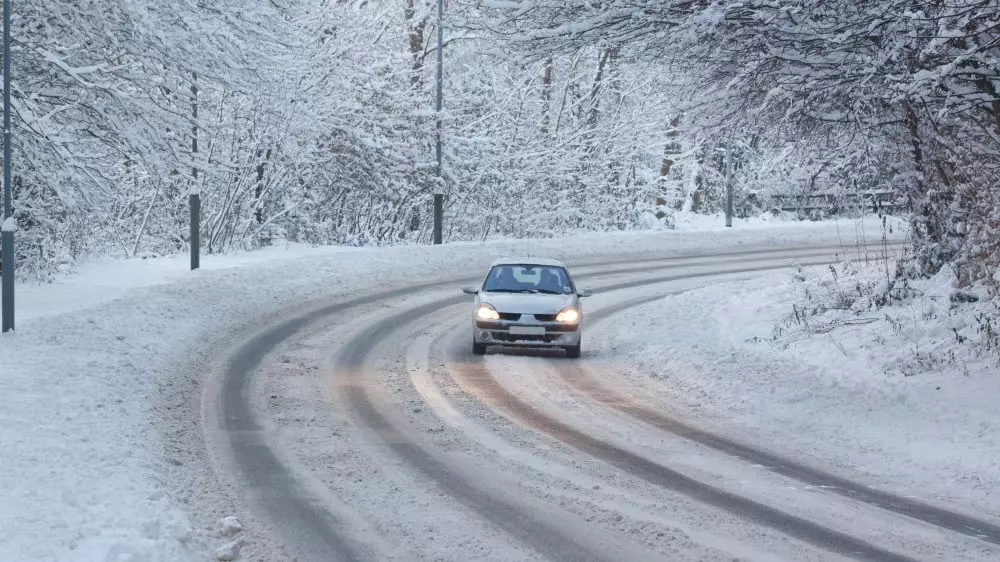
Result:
x=887 y=395
x=98 y=281
x=85 y=469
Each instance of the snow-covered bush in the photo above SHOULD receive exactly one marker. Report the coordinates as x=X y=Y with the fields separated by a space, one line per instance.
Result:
x=927 y=322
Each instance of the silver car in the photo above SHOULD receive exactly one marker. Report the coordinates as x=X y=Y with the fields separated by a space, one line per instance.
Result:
x=527 y=302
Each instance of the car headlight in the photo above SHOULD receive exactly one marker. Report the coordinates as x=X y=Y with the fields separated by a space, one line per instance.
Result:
x=568 y=315
x=487 y=312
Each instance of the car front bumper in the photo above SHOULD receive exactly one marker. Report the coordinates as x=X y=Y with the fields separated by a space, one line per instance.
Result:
x=526 y=334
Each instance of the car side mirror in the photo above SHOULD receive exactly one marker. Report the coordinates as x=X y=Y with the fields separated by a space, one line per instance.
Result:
x=585 y=293
x=470 y=290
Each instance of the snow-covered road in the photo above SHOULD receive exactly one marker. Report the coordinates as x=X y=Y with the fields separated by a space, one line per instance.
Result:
x=365 y=429
x=302 y=401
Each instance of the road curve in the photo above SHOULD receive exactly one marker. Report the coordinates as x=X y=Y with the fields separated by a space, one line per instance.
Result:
x=307 y=523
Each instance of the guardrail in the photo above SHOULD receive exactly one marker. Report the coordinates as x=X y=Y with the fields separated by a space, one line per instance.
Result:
x=889 y=202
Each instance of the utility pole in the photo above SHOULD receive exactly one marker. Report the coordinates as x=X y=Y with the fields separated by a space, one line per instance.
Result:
x=439 y=185
x=194 y=199
x=729 y=182
x=9 y=226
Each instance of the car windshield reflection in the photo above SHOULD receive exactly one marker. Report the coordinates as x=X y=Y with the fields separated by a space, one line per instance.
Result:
x=528 y=278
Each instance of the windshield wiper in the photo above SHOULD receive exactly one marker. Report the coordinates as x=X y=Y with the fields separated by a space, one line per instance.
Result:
x=532 y=291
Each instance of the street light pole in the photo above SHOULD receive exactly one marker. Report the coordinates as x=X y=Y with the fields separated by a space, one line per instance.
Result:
x=729 y=183
x=438 y=194
x=8 y=225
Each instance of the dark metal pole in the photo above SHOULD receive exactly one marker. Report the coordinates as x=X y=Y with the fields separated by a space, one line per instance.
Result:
x=194 y=201
x=7 y=247
x=7 y=231
x=438 y=196
x=438 y=216
x=729 y=183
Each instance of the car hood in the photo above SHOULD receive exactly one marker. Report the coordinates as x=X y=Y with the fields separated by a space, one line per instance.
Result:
x=528 y=303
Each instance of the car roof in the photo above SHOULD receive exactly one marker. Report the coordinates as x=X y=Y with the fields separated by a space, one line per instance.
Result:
x=528 y=261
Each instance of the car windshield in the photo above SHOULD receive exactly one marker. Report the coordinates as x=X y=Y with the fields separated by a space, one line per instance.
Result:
x=528 y=278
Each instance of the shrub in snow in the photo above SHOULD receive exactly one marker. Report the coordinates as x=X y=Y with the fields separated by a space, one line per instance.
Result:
x=937 y=323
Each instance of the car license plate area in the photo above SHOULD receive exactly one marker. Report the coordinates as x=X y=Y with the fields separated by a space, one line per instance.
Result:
x=527 y=330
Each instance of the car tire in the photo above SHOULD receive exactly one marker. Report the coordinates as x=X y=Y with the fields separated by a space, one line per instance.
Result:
x=478 y=348
x=573 y=351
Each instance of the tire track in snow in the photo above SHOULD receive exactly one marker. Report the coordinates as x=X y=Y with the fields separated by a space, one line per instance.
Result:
x=271 y=486
x=304 y=524
x=476 y=376
x=351 y=367
x=632 y=504
x=551 y=542
x=540 y=535
x=577 y=378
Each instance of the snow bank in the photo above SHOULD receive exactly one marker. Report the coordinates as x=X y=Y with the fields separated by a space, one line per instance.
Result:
x=901 y=396
x=87 y=464
x=99 y=281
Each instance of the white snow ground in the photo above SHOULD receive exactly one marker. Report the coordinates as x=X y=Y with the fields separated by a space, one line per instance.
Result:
x=83 y=472
x=883 y=395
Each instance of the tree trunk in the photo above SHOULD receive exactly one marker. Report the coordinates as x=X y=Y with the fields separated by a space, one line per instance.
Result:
x=259 y=188
x=929 y=218
x=671 y=148
x=986 y=86
x=567 y=91
x=416 y=26
x=547 y=72
x=595 y=90
x=617 y=92
x=194 y=125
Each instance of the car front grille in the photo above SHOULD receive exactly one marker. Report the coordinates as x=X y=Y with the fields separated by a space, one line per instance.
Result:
x=514 y=317
x=507 y=337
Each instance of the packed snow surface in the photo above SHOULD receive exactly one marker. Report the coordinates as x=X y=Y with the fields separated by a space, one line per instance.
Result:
x=84 y=473
x=902 y=393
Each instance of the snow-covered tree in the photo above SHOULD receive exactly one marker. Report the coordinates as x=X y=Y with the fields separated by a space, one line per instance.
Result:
x=889 y=93
x=312 y=121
